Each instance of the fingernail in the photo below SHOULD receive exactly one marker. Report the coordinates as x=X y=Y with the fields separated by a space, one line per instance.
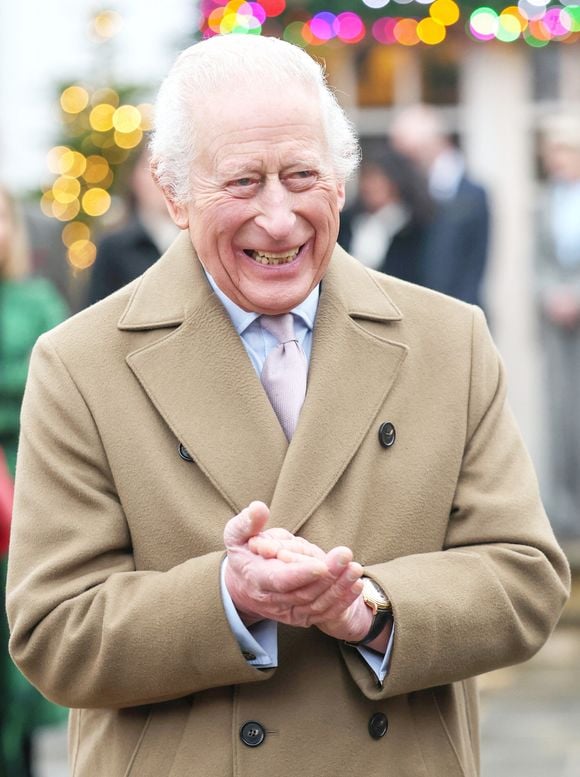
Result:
x=353 y=574
x=343 y=559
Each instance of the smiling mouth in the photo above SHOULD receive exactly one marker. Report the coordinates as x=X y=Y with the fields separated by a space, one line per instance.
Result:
x=273 y=258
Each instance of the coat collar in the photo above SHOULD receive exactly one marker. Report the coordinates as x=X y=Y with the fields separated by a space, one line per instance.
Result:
x=201 y=381
x=175 y=286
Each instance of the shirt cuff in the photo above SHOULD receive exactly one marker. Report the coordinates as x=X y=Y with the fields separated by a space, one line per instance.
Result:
x=258 y=643
x=378 y=663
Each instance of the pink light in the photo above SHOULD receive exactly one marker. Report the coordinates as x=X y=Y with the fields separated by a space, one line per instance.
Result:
x=383 y=30
x=349 y=27
x=323 y=25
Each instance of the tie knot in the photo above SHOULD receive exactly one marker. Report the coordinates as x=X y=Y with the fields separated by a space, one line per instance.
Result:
x=280 y=327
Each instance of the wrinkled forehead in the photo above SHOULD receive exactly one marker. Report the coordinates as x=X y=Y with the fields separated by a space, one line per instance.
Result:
x=236 y=120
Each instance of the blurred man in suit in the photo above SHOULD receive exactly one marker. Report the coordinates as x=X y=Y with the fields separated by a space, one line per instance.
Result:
x=455 y=258
x=272 y=512
x=126 y=253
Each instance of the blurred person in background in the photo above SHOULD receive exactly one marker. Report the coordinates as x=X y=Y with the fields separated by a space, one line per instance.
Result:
x=125 y=254
x=28 y=307
x=387 y=225
x=558 y=296
x=457 y=245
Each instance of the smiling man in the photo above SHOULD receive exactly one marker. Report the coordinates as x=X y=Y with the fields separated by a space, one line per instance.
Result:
x=272 y=511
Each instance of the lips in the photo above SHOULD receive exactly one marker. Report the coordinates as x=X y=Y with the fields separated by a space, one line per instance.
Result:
x=273 y=258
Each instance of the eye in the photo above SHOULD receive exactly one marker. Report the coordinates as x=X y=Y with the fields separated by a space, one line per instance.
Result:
x=301 y=179
x=245 y=186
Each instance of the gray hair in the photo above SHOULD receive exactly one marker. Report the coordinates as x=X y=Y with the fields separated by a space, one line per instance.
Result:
x=207 y=66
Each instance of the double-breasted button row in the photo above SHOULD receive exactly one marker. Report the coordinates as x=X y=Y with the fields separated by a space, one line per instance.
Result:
x=252 y=733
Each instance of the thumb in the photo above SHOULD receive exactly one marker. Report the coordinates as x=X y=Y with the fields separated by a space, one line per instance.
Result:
x=246 y=524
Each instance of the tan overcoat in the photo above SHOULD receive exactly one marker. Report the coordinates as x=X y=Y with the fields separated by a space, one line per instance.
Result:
x=114 y=597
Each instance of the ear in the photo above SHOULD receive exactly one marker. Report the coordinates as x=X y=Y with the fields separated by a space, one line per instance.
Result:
x=341 y=194
x=177 y=211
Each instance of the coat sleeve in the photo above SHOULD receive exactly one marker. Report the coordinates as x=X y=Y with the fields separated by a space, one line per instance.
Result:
x=493 y=594
x=87 y=628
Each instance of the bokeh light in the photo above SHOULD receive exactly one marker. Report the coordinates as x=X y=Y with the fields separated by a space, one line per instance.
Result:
x=66 y=211
x=53 y=158
x=126 y=118
x=349 y=27
x=431 y=32
x=96 y=202
x=76 y=230
x=323 y=25
x=97 y=169
x=72 y=163
x=405 y=32
x=384 y=30
x=273 y=7
x=484 y=23
x=82 y=254
x=101 y=117
x=65 y=189
x=74 y=99
x=128 y=139
x=376 y=3
x=107 y=24
x=445 y=12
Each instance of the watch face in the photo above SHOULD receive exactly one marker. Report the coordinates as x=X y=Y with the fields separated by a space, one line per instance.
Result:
x=373 y=595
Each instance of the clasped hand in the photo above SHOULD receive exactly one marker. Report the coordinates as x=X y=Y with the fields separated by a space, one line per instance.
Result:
x=275 y=575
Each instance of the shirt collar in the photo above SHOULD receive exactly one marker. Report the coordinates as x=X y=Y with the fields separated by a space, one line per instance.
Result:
x=241 y=319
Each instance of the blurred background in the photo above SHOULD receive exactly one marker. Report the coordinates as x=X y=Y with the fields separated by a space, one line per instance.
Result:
x=469 y=119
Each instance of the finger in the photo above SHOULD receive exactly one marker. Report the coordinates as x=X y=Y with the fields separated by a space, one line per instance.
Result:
x=287 y=548
x=246 y=524
x=278 y=577
x=333 y=602
x=338 y=559
x=304 y=595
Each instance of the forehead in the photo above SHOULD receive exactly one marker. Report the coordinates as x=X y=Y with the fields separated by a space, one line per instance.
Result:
x=254 y=125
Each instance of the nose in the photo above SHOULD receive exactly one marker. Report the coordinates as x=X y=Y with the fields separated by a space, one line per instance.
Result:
x=276 y=216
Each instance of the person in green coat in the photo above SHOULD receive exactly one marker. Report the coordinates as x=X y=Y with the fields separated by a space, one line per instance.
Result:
x=28 y=307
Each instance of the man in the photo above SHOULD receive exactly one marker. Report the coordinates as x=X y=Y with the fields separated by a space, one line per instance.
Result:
x=183 y=567
x=126 y=253
x=455 y=256
x=557 y=282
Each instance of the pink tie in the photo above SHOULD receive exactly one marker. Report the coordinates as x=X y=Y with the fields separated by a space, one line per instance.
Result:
x=284 y=372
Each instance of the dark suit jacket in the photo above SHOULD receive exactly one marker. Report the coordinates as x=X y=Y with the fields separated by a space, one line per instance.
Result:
x=122 y=256
x=456 y=247
x=403 y=257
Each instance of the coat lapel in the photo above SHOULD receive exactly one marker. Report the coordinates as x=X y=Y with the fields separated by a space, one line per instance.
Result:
x=351 y=372
x=202 y=382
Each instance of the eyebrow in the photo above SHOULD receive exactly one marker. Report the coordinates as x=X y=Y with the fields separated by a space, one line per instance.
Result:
x=233 y=171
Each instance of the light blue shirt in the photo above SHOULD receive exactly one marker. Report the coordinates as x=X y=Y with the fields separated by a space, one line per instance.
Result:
x=259 y=643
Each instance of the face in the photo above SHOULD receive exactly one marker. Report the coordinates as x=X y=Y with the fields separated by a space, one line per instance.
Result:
x=561 y=161
x=375 y=189
x=264 y=211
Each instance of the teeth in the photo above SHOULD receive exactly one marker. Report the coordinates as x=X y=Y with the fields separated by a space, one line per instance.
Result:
x=273 y=258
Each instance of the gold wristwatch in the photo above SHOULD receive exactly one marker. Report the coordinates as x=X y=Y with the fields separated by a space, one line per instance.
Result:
x=375 y=598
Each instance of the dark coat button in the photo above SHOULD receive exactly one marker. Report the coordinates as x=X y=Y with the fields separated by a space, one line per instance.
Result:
x=387 y=434
x=378 y=725
x=252 y=734
x=184 y=453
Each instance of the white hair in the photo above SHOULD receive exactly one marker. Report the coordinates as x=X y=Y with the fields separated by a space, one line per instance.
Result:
x=233 y=59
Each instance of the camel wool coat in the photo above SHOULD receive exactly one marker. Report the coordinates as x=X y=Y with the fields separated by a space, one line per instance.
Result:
x=114 y=597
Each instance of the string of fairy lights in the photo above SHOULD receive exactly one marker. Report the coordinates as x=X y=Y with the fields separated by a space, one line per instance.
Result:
x=426 y=21
x=103 y=126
